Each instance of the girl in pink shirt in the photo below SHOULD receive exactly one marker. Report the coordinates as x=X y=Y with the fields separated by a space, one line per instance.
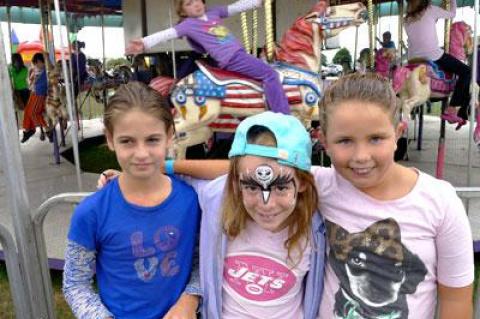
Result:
x=399 y=239
x=420 y=24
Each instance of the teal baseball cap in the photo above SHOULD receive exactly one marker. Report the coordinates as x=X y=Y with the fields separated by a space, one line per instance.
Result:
x=294 y=146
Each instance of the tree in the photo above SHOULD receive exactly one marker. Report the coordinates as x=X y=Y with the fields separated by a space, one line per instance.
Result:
x=112 y=63
x=323 y=59
x=344 y=58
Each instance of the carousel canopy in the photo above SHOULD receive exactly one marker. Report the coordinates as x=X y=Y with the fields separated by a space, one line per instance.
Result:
x=32 y=16
x=76 y=6
x=388 y=7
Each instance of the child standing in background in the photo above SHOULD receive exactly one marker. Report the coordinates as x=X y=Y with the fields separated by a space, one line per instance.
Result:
x=138 y=233
x=206 y=34
x=33 y=113
x=19 y=76
x=386 y=41
x=420 y=26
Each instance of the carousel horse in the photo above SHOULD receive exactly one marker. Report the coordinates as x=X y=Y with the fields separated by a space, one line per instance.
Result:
x=411 y=83
x=100 y=80
x=213 y=100
x=56 y=101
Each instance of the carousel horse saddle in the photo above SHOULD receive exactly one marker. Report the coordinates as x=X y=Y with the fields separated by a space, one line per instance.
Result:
x=222 y=77
x=441 y=81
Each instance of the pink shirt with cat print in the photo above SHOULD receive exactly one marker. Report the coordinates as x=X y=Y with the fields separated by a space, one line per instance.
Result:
x=386 y=257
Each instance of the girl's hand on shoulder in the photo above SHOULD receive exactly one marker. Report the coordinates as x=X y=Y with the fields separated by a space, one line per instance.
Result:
x=185 y=308
x=135 y=46
x=106 y=177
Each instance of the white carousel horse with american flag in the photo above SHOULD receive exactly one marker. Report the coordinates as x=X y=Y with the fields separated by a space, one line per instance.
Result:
x=213 y=100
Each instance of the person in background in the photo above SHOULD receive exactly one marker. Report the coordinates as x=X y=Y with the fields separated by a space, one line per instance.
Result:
x=79 y=66
x=420 y=25
x=386 y=41
x=33 y=113
x=19 y=76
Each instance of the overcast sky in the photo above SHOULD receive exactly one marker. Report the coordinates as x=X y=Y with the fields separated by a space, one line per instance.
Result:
x=92 y=36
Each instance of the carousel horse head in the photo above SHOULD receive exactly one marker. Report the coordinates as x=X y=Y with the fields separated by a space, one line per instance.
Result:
x=301 y=44
x=413 y=88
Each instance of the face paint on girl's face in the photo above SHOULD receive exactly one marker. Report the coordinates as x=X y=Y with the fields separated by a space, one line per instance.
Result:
x=268 y=191
x=263 y=182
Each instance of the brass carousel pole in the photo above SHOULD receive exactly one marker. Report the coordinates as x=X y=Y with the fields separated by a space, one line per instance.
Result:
x=254 y=32
x=371 y=33
x=400 y=29
x=245 y=35
x=269 y=29
x=448 y=23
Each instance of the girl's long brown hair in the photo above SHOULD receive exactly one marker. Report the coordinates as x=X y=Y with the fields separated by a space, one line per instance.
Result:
x=235 y=216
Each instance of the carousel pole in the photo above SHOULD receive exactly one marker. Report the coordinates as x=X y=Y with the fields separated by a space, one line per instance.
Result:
x=245 y=35
x=400 y=29
x=371 y=33
x=473 y=100
x=10 y=41
x=255 y=32
x=37 y=303
x=441 y=140
x=269 y=30
x=172 y=42
x=70 y=74
x=104 y=59
x=71 y=114
x=355 y=50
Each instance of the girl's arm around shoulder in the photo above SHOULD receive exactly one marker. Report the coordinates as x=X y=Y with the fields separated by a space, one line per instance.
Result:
x=242 y=6
x=77 y=283
x=203 y=169
x=455 y=303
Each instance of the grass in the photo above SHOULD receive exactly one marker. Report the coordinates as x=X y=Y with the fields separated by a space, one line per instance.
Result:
x=62 y=310
x=95 y=157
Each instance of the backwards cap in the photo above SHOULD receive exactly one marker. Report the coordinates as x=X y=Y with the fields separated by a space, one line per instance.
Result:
x=294 y=147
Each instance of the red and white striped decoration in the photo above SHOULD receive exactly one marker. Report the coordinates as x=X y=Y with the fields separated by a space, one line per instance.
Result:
x=242 y=96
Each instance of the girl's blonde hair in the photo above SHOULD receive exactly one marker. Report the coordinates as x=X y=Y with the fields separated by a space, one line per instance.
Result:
x=415 y=9
x=368 y=87
x=179 y=9
x=235 y=215
x=137 y=95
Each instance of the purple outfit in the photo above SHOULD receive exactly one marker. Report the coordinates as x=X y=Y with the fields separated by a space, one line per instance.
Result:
x=211 y=36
